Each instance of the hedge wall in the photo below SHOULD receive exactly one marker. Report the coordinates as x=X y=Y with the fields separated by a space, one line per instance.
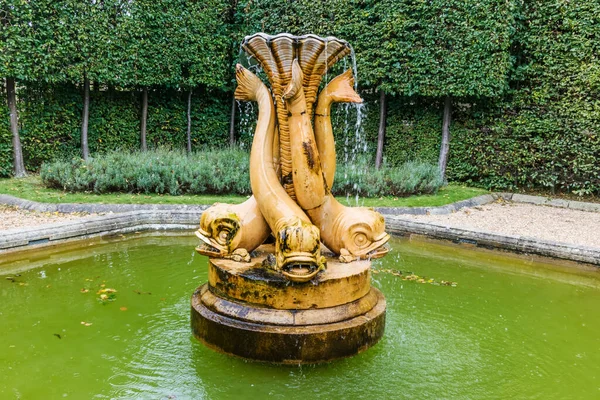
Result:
x=542 y=132
x=50 y=122
x=546 y=132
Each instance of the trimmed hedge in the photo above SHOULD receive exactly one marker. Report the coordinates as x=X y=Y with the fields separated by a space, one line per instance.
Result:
x=361 y=178
x=541 y=133
x=218 y=172
x=50 y=122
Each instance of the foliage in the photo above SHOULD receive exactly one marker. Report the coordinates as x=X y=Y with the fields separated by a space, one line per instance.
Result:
x=526 y=74
x=432 y=48
x=160 y=171
x=546 y=133
x=217 y=172
x=52 y=118
x=445 y=48
x=173 y=43
x=30 y=37
x=361 y=178
x=176 y=43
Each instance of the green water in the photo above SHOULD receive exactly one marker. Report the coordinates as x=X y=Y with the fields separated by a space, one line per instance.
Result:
x=510 y=329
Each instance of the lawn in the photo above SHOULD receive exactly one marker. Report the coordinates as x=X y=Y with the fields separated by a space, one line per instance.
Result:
x=31 y=188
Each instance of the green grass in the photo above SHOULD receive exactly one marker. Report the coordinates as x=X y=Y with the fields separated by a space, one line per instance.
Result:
x=446 y=195
x=31 y=188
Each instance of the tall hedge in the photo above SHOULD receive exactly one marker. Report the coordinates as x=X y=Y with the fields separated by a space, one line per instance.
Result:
x=51 y=116
x=525 y=77
x=546 y=133
x=175 y=43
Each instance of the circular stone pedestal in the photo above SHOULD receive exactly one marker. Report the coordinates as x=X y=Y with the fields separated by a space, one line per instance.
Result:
x=252 y=312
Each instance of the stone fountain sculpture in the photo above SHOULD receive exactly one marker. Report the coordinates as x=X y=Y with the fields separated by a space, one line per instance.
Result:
x=296 y=301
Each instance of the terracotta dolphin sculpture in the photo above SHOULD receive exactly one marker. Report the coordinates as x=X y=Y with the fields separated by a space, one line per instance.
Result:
x=350 y=232
x=232 y=231
x=297 y=240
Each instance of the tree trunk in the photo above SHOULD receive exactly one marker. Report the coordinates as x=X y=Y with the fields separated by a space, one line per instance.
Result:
x=144 y=119
x=381 y=133
x=232 y=122
x=85 y=150
x=18 y=165
x=445 y=147
x=189 y=122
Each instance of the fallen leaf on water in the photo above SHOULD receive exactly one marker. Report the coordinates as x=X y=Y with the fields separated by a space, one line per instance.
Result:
x=123 y=308
x=106 y=295
x=84 y=290
x=413 y=277
x=23 y=284
x=86 y=323
x=107 y=290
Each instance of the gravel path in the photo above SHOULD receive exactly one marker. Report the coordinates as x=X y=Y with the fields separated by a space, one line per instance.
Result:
x=13 y=217
x=518 y=219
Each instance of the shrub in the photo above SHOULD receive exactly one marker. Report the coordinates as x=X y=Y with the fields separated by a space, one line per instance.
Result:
x=159 y=171
x=361 y=177
x=226 y=171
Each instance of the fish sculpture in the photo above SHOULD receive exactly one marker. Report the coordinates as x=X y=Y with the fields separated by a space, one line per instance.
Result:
x=352 y=233
x=232 y=231
x=297 y=240
x=292 y=165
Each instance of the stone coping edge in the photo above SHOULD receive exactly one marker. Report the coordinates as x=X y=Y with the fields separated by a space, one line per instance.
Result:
x=128 y=218
x=520 y=244
x=86 y=228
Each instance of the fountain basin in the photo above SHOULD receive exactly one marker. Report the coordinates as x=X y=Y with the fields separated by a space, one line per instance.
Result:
x=514 y=326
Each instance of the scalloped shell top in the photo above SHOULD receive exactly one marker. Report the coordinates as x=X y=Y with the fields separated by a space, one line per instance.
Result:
x=315 y=55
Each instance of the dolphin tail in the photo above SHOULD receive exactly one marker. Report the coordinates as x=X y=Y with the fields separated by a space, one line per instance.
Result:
x=248 y=83
x=341 y=89
x=295 y=85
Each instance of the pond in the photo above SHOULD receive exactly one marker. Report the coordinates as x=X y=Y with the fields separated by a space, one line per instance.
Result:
x=510 y=327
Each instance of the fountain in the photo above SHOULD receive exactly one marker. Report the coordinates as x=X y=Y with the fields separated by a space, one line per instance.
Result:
x=306 y=296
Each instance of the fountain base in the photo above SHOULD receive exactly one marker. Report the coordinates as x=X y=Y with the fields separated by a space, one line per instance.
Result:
x=248 y=311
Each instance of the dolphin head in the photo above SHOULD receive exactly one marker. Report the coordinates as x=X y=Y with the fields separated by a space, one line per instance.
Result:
x=362 y=232
x=219 y=231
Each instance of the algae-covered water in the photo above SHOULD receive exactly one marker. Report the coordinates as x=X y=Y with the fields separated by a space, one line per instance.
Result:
x=510 y=328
